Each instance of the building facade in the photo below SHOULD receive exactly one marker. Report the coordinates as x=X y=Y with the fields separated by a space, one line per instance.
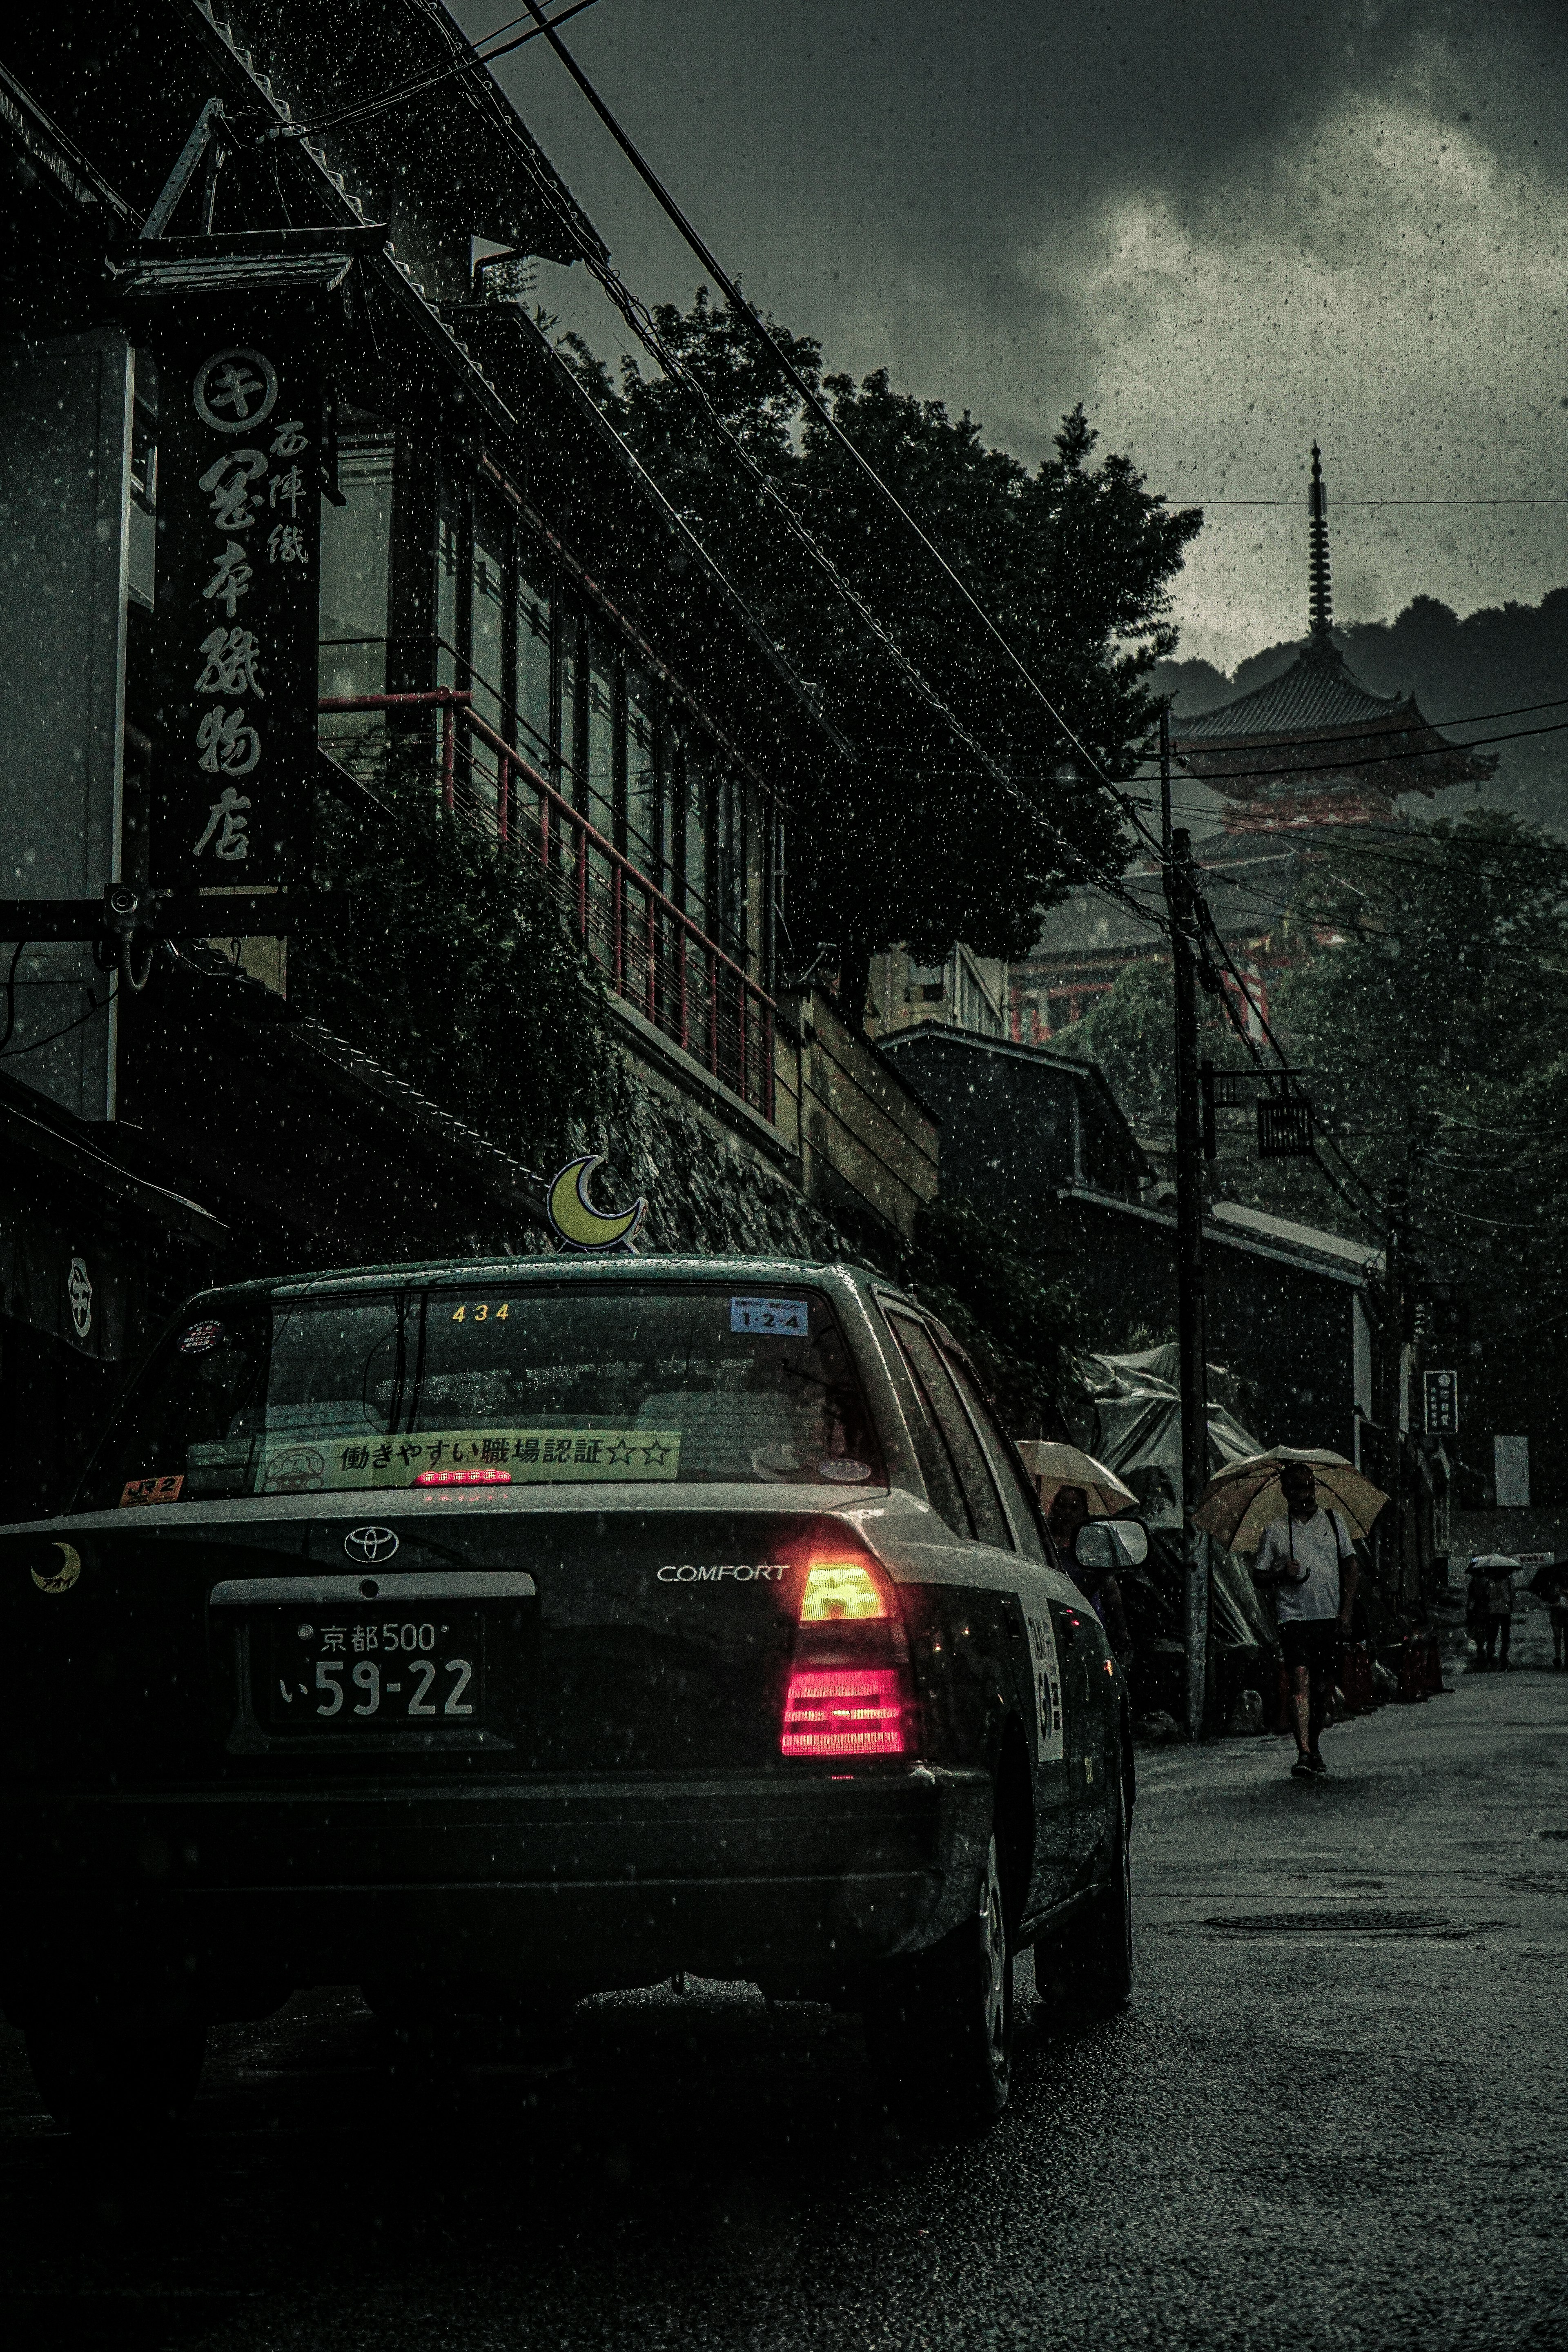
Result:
x=307 y=523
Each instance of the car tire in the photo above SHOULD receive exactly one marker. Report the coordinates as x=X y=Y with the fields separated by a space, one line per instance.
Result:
x=1092 y=1959
x=113 y=2077
x=940 y=2024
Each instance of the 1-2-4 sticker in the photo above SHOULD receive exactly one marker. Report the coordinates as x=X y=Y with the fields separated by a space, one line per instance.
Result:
x=779 y=1319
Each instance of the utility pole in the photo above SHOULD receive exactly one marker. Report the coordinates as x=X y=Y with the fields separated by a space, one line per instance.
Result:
x=1181 y=892
x=1393 y=1373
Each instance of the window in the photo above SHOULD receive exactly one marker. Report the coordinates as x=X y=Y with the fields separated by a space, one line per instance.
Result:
x=600 y=809
x=645 y=843
x=524 y=1383
x=931 y=1449
x=999 y=1453
x=974 y=1476
x=533 y=649
x=449 y=581
x=569 y=753
x=356 y=541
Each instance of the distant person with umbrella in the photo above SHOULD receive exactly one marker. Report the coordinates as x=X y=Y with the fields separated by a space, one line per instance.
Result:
x=1074 y=1488
x=1494 y=1572
x=1309 y=1557
x=1269 y=1503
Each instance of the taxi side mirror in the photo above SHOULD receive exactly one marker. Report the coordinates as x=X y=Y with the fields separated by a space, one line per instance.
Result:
x=1110 y=1544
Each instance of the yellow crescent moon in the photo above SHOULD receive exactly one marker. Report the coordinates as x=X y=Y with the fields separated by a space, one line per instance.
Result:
x=573 y=1215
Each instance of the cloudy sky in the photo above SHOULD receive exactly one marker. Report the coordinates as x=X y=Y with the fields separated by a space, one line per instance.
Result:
x=1225 y=225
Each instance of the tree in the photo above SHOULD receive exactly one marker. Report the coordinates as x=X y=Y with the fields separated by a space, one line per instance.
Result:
x=453 y=967
x=915 y=839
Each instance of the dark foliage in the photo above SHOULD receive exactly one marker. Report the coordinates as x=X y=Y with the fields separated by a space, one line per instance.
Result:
x=914 y=840
x=455 y=971
x=1021 y=1328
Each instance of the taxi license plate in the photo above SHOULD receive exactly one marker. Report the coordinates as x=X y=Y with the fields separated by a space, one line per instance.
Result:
x=358 y=1670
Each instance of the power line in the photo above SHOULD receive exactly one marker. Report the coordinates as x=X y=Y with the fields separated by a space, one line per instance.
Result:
x=1186 y=499
x=809 y=396
x=389 y=98
x=1370 y=728
x=1372 y=759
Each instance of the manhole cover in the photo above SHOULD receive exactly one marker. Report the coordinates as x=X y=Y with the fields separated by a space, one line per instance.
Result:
x=1359 y=1921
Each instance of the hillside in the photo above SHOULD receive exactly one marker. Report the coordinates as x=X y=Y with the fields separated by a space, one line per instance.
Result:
x=1498 y=658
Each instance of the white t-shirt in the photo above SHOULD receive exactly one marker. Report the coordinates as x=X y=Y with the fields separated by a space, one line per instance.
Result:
x=1318 y=1544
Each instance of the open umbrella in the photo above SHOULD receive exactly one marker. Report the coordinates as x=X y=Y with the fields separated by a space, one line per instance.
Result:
x=1052 y=1465
x=1241 y=1500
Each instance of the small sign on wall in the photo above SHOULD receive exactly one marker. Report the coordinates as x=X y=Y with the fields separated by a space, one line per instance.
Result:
x=1511 y=1458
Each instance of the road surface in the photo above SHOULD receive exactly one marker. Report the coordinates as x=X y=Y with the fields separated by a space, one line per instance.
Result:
x=1336 y=2115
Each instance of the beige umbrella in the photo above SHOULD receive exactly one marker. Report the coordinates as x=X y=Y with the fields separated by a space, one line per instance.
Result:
x=1053 y=1465
x=1243 y=1498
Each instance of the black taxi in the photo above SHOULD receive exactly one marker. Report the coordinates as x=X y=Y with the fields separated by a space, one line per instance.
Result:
x=502 y=1633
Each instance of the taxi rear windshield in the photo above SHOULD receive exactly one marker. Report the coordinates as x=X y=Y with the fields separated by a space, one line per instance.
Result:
x=443 y=1387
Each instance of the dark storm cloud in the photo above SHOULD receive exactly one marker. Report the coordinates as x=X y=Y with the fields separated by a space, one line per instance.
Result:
x=1224 y=226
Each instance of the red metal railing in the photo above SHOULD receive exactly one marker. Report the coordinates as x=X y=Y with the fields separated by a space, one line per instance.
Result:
x=652 y=954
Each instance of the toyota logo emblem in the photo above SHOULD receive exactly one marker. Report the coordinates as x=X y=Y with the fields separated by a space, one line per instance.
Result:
x=370 y=1544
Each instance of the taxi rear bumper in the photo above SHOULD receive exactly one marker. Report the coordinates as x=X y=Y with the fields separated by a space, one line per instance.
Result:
x=583 y=1885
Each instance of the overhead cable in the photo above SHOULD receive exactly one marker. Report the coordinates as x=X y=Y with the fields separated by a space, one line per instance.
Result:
x=805 y=391
x=389 y=98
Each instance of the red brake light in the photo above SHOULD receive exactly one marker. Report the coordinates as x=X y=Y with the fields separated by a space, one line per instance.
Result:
x=844 y=1711
x=463 y=1478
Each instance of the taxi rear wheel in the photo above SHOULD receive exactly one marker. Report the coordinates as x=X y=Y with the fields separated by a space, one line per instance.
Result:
x=940 y=2024
x=109 y=2076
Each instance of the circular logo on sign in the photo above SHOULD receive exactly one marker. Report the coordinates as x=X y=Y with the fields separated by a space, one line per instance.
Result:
x=296 y=1470
x=200 y=1338
x=79 y=1291
x=370 y=1543
x=234 y=390
x=61 y=1579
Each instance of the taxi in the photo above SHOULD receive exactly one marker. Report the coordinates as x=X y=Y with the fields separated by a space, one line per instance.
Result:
x=489 y=1634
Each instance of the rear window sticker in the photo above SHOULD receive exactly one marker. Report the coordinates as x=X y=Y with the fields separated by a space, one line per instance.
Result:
x=842 y=1471
x=139 y=1491
x=60 y=1579
x=200 y=1338
x=526 y=1457
x=1047 y=1676
x=775 y=1319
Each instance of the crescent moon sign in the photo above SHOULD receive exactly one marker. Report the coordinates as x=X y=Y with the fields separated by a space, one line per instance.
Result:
x=61 y=1579
x=574 y=1217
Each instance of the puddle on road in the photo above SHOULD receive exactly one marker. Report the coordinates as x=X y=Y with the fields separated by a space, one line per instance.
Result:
x=1358 y=1921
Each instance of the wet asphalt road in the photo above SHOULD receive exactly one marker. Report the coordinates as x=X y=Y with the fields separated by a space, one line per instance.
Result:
x=1337 y=2115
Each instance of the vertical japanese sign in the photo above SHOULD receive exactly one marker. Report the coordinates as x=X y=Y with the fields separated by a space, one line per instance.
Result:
x=1442 y=1399
x=237 y=604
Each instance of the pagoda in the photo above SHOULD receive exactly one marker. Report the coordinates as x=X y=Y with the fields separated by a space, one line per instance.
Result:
x=1315 y=747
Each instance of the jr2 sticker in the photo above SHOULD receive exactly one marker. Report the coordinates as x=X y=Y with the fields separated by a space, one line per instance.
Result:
x=1047 y=1676
x=144 y=1491
x=777 y=1319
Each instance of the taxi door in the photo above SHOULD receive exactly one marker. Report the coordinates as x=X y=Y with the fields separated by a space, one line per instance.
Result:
x=954 y=1427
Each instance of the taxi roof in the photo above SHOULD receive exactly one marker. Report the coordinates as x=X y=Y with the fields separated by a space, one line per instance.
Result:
x=574 y=1268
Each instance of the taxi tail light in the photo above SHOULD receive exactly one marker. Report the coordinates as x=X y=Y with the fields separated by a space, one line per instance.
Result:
x=849 y=1692
x=844 y=1711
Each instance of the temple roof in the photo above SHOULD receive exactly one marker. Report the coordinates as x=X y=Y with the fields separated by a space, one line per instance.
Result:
x=1318 y=690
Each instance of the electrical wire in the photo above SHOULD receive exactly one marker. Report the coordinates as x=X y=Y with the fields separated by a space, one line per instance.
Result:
x=807 y=394
x=1185 y=498
x=389 y=98
x=1370 y=729
x=1372 y=759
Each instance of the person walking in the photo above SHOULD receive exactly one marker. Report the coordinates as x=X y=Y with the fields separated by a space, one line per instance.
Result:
x=1556 y=1592
x=1309 y=1557
x=1496 y=1624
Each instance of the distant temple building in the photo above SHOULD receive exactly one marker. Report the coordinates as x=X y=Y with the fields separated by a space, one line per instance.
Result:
x=1315 y=747
x=1311 y=752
